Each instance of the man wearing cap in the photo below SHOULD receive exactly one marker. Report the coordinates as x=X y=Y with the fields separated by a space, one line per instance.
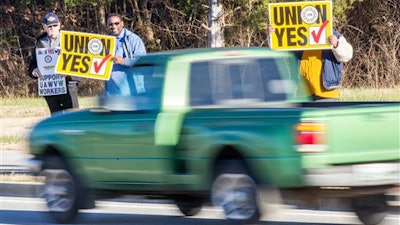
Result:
x=51 y=39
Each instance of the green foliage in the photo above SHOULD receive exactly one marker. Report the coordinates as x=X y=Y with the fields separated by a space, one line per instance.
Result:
x=68 y=3
x=191 y=6
x=75 y=3
x=22 y=4
x=340 y=7
x=259 y=14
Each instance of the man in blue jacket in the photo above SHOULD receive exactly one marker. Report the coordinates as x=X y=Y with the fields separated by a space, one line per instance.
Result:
x=129 y=46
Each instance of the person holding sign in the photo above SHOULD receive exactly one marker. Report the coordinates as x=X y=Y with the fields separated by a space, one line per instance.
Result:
x=129 y=46
x=52 y=86
x=306 y=29
x=322 y=68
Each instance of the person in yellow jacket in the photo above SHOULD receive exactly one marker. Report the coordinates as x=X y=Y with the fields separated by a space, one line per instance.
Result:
x=322 y=69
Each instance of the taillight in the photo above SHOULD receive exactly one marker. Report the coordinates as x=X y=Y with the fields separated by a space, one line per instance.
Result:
x=310 y=137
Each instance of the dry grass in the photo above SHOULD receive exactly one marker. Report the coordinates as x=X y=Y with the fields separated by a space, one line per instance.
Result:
x=19 y=115
x=359 y=94
x=20 y=178
x=16 y=126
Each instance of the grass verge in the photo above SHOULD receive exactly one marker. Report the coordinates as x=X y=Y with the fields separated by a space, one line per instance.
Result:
x=15 y=177
x=359 y=94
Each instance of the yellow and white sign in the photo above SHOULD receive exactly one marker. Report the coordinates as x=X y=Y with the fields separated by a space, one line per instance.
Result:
x=86 y=55
x=301 y=25
x=49 y=83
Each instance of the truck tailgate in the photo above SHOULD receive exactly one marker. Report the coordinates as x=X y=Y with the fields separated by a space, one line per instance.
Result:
x=356 y=135
x=361 y=146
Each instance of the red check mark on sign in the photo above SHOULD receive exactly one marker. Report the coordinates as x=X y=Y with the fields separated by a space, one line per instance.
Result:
x=97 y=67
x=315 y=35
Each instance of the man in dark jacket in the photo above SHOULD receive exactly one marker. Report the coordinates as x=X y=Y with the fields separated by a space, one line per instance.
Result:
x=51 y=39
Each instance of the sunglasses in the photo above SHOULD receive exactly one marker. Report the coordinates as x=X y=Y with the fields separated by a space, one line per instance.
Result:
x=116 y=24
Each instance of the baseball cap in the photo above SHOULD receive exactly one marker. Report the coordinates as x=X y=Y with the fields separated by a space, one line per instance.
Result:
x=50 y=19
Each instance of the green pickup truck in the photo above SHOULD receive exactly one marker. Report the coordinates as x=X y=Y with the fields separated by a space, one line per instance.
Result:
x=231 y=127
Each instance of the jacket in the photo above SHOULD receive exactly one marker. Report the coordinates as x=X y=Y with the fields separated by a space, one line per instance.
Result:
x=332 y=62
x=129 y=46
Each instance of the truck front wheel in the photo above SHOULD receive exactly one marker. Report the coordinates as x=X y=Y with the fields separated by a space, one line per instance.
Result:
x=236 y=192
x=60 y=190
x=371 y=210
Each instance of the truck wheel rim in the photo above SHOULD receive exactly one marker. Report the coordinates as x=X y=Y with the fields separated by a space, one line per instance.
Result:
x=236 y=193
x=59 y=191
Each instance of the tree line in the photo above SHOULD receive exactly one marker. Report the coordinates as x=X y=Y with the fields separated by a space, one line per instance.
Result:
x=371 y=26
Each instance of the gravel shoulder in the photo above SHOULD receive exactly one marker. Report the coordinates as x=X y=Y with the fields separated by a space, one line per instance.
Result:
x=14 y=132
x=16 y=125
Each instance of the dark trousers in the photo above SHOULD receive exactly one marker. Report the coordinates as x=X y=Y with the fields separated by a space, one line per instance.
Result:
x=59 y=103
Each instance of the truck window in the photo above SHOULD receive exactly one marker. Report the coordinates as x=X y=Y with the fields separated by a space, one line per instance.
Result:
x=145 y=84
x=233 y=80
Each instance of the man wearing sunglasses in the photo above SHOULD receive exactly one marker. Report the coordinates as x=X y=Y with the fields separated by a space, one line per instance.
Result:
x=51 y=39
x=129 y=46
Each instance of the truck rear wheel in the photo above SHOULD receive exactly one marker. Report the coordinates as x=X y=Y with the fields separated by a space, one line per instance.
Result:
x=61 y=191
x=371 y=210
x=236 y=192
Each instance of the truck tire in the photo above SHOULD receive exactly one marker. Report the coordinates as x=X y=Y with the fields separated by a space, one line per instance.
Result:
x=60 y=190
x=236 y=192
x=371 y=210
x=189 y=205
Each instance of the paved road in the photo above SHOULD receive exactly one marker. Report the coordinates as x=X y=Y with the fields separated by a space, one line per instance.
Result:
x=18 y=211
